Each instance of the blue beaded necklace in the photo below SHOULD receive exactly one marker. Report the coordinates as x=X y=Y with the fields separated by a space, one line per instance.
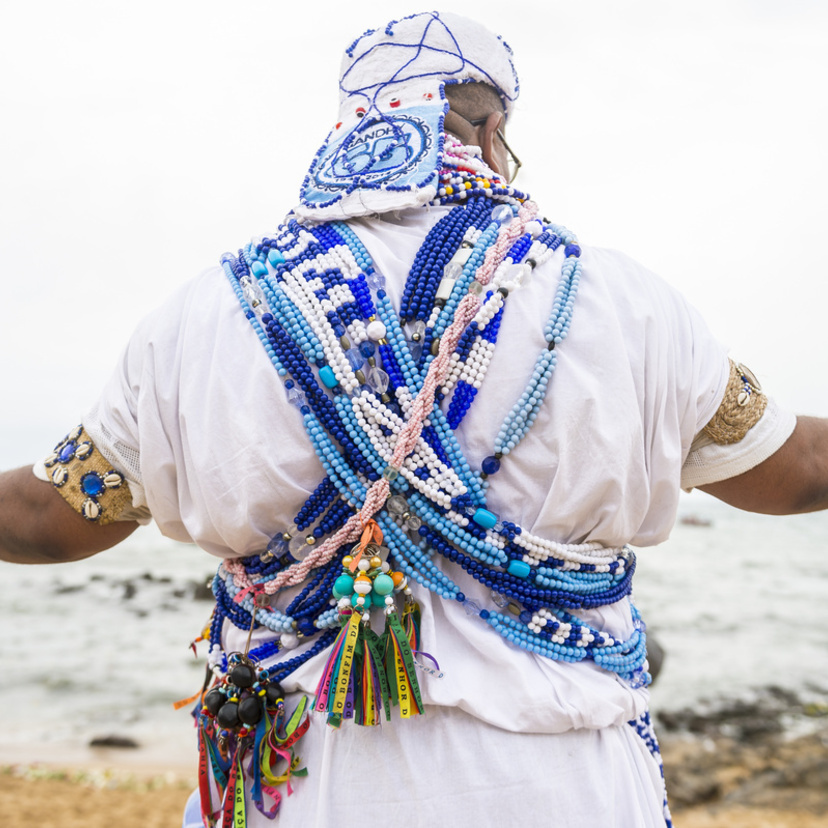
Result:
x=354 y=366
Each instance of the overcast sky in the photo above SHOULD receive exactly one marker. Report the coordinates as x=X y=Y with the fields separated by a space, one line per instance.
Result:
x=140 y=141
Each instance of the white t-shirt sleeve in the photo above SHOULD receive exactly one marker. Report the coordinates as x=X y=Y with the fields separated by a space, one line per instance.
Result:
x=113 y=421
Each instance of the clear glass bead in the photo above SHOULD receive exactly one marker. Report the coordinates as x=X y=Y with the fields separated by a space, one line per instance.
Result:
x=254 y=296
x=299 y=546
x=500 y=600
x=452 y=271
x=355 y=358
x=297 y=397
x=413 y=523
x=277 y=546
x=396 y=505
x=502 y=214
x=377 y=380
x=375 y=281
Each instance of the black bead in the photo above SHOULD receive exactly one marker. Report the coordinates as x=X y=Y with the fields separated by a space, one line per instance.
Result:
x=214 y=700
x=242 y=675
x=274 y=692
x=250 y=709
x=228 y=715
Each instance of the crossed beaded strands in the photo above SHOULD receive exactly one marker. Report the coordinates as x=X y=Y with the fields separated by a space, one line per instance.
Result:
x=445 y=530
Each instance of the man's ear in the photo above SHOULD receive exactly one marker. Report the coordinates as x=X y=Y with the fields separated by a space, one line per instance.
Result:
x=488 y=136
x=459 y=127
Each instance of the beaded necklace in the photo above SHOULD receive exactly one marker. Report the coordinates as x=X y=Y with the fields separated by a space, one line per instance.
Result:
x=357 y=376
x=380 y=393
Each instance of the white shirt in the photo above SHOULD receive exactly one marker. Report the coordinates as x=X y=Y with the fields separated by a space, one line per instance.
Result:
x=197 y=418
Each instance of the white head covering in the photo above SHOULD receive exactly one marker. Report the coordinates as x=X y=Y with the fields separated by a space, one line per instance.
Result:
x=385 y=151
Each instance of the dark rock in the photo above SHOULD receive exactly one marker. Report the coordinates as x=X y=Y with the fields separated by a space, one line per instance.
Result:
x=655 y=656
x=745 y=720
x=66 y=589
x=202 y=591
x=693 y=789
x=113 y=741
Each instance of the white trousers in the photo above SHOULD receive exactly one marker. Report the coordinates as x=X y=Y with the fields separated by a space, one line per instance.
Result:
x=448 y=768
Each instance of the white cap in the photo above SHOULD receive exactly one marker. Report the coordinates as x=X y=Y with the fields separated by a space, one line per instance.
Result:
x=385 y=150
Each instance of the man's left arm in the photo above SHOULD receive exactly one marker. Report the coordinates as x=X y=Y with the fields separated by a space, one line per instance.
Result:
x=792 y=480
x=38 y=526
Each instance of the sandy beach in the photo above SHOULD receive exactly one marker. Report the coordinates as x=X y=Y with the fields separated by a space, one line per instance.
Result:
x=52 y=798
x=762 y=781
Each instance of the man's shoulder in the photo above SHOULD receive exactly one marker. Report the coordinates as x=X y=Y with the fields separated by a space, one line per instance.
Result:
x=197 y=302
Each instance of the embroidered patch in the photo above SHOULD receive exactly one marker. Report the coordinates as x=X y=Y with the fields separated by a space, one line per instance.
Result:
x=382 y=150
x=86 y=480
x=741 y=408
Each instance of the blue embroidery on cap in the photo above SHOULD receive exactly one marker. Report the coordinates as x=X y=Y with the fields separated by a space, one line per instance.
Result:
x=379 y=151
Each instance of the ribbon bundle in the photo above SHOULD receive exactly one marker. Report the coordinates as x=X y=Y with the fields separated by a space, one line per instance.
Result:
x=245 y=733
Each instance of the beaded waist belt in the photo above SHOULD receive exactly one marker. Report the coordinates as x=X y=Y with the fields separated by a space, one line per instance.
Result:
x=380 y=393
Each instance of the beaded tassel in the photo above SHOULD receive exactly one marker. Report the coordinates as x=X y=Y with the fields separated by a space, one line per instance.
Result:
x=365 y=673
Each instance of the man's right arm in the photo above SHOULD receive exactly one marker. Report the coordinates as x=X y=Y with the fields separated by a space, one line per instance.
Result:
x=38 y=526
x=791 y=481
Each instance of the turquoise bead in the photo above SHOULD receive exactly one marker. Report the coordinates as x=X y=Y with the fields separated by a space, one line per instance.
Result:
x=343 y=585
x=519 y=569
x=328 y=377
x=258 y=269
x=485 y=518
x=275 y=257
x=383 y=585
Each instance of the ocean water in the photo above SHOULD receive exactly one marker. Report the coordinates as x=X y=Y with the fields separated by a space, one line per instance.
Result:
x=101 y=646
